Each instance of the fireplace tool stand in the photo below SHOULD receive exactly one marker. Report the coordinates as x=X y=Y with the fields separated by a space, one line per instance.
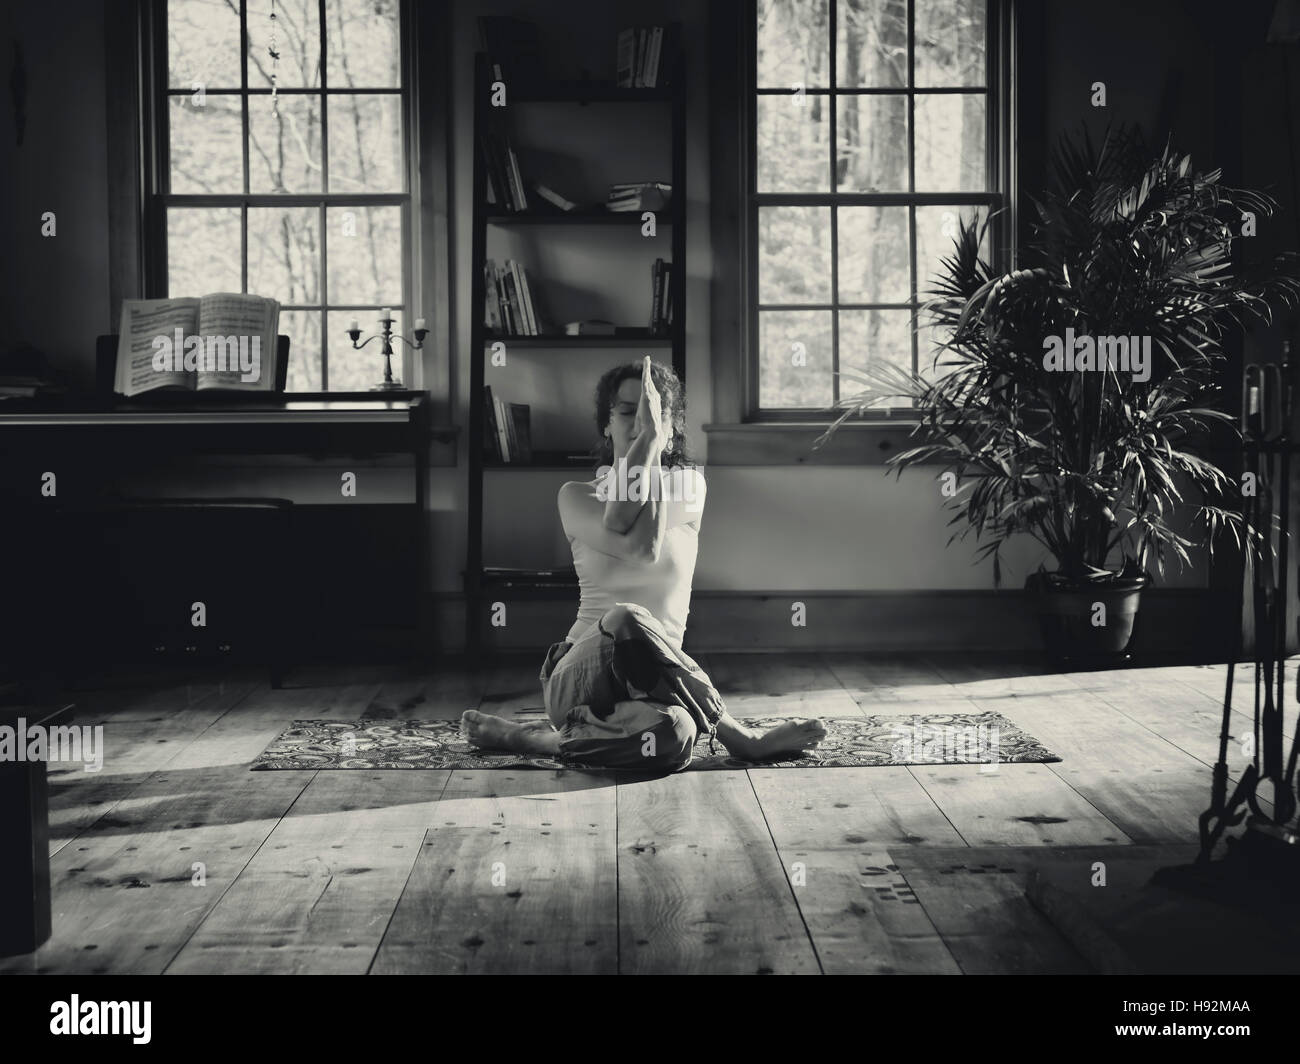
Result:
x=1262 y=864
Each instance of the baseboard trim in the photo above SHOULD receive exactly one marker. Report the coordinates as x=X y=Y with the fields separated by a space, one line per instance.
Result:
x=1193 y=621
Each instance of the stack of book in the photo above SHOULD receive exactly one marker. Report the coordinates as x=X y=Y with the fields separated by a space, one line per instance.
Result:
x=505 y=183
x=509 y=576
x=507 y=435
x=511 y=309
x=643 y=56
x=21 y=385
x=25 y=373
x=661 y=303
x=639 y=196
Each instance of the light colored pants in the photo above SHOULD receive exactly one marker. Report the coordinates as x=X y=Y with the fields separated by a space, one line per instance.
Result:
x=624 y=696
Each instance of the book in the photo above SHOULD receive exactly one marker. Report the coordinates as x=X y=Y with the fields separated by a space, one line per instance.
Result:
x=626 y=57
x=491 y=298
x=514 y=316
x=652 y=56
x=496 y=192
x=521 y=287
x=218 y=341
x=591 y=327
x=491 y=441
x=656 y=296
x=647 y=196
x=517 y=186
x=503 y=438
x=504 y=180
x=521 y=429
x=506 y=417
x=530 y=301
x=643 y=57
x=554 y=198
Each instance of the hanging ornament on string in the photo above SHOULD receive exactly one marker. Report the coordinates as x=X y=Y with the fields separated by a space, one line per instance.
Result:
x=274 y=53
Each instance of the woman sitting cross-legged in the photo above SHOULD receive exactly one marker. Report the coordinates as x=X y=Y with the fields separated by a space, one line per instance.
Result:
x=619 y=690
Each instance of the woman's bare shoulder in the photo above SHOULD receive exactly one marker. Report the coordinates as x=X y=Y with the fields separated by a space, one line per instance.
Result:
x=575 y=493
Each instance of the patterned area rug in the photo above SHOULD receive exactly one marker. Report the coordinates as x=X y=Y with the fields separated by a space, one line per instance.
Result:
x=851 y=742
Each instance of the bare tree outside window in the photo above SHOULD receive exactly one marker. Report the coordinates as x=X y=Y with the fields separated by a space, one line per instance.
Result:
x=871 y=139
x=299 y=193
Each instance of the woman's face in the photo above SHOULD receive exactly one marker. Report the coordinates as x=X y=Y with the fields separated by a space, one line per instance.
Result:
x=624 y=424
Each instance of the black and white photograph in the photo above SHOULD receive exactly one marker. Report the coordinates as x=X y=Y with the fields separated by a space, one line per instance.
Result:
x=650 y=487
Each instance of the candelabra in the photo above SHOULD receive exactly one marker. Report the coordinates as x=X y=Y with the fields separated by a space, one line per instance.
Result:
x=388 y=384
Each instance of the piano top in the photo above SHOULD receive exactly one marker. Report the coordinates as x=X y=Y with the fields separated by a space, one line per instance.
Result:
x=350 y=409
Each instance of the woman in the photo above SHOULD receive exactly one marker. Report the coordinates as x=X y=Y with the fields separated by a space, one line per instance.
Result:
x=619 y=690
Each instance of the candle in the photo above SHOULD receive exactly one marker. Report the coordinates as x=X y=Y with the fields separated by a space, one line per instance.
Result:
x=419 y=323
x=386 y=314
x=354 y=325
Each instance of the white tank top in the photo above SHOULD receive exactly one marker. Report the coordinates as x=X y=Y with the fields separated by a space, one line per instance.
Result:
x=662 y=587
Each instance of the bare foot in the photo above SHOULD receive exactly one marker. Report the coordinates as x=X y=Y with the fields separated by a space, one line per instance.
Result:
x=752 y=744
x=494 y=733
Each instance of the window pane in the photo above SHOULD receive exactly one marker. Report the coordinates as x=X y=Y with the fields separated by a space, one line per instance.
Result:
x=794 y=255
x=284 y=253
x=284 y=148
x=362 y=44
x=202 y=250
x=872 y=149
x=365 y=254
x=950 y=143
x=793 y=149
x=202 y=44
x=303 y=329
x=793 y=43
x=782 y=383
x=359 y=371
x=936 y=231
x=873 y=336
x=871 y=44
x=874 y=264
x=950 y=43
x=366 y=144
x=206 y=145
x=297 y=39
x=929 y=338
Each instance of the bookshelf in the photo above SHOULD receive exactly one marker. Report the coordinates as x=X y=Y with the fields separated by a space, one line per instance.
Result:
x=569 y=110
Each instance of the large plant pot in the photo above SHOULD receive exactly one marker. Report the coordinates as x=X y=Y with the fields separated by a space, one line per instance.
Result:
x=1069 y=614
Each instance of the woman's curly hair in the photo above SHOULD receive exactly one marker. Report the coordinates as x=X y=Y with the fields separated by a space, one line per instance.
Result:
x=672 y=396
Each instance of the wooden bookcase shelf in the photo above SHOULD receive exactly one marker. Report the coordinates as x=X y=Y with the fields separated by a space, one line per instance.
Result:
x=479 y=584
x=645 y=340
x=589 y=92
x=581 y=216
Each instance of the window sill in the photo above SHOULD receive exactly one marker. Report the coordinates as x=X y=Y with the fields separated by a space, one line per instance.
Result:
x=774 y=443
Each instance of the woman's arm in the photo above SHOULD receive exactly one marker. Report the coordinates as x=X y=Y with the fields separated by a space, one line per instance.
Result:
x=641 y=465
x=582 y=515
x=682 y=492
x=642 y=484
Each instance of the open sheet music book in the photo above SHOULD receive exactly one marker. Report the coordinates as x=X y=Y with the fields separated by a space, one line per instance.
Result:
x=222 y=340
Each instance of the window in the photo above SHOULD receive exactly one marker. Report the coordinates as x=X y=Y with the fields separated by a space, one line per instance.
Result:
x=873 y=127
x=281 y=169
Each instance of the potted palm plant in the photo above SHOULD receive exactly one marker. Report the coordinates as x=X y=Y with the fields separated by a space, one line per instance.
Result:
x=1074 y=398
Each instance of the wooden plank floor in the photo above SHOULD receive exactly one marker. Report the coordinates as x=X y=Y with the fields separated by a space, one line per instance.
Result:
x=176 y=859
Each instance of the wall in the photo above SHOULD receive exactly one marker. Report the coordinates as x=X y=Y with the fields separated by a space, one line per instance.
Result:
x=807 y=529
x=55 y=289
